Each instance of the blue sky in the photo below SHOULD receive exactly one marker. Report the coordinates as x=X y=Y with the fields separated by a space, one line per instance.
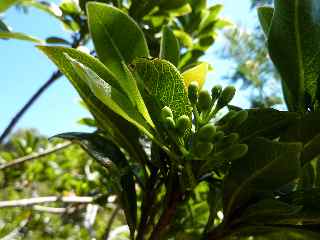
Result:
x=24 y=69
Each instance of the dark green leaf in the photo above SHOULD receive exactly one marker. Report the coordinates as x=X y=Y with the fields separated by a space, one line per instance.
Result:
x=169 y=48
x=57 y=40
x=294 y=46
x=268 y=165
x=265 y=15
x=267 y=123
x=3 y=27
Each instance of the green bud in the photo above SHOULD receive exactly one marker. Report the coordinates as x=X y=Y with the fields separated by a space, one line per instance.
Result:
x=169 y=123
x=238 y=119
x=193 y=91
x=182 y=124
x=206 y=132
x=218 y=136
x=203 y=149
x=166 y=112
x=204 y=100
x=233 y=152
x=226 y=118
x=215 y=92
x=226 y=96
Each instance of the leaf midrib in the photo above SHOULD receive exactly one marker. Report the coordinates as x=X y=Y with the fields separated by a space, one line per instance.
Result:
x=248 y=180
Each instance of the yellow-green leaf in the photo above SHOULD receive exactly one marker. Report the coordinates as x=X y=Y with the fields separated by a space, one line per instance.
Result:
x=197 y=74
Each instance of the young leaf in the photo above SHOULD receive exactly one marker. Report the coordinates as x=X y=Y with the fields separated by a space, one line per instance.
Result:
x=169 y=47
x=265 y=15
x=294 y=46
x=277 y=164
x=19 y=36
x=117 y=38
x=197 y=74
x=165 y=84
x=104 y=150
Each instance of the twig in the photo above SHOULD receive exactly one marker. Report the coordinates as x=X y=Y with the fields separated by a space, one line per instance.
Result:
x=40 y=200
x=110 y=223
x=57 y=74
x=35 y=156
x=17 y=231
x=55 y=210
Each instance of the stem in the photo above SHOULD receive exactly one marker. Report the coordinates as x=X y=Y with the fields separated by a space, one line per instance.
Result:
x=33 y=156
x=39 y=200
x=110 y=223
x=57 y=74
x=167 y=215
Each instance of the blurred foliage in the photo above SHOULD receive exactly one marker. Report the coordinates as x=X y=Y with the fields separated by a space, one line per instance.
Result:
x=253 y=66
x=66 y=173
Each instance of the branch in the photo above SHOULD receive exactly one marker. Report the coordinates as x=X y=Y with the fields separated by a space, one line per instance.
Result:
x=57 y=74
x=56 y=210
x=50 y=199
x=33 y=156
x=110 y=223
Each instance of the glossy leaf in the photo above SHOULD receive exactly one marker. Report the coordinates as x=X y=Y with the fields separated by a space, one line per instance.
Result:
x=294 y=46
x=104 y=150
x=268 y=123
x=113 y=32
x=169 y=47
x=165 y=84
x=265 y=15
x=102 y=91
x=197 y=74
x=277 y=164
x=19 y=36
x=123 y=132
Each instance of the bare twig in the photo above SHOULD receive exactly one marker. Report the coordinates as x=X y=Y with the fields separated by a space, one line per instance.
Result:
x=110 y=223
x=33 y=156
x=55 y=210
x=49 y=199
x=57 y=74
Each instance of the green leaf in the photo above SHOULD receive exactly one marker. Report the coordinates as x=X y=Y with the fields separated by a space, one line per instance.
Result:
x=268 y=165
x=116 y=37
x=268 y=123
x=184 y=38
x=165 y=84
x=118 y=40
x=57 y=40
x=3 y=27
x=265 y=15
x=19 y=36
x=6 y=4
x=102 y=91
x=169 y=47
x=210 y=17
x=103 y=150
x=122 y=131
x=294 y=46
x=268 y=211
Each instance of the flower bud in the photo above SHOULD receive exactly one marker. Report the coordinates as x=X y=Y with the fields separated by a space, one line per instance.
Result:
x=166 y=112
x=203 y=149
x=218 y=136
x=226 y=96
x=233 y=152
x=215 y=92
x=193 y=91
x=206 y=132
x=182 y=124
x=204 y=100
x=169 y=123
x=226 y=118
x=238 y=119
